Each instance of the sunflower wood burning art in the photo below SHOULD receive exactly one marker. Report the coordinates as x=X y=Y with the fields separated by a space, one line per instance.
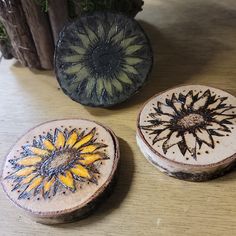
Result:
x=61 y=168
x=102 y=59
x=189 y=132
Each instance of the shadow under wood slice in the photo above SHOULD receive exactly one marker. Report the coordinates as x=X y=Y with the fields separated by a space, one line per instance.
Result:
x=14 y=21
x=58 y=15
x=40 y=29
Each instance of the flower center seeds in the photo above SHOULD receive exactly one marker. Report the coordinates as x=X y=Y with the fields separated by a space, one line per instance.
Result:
x=191 y=120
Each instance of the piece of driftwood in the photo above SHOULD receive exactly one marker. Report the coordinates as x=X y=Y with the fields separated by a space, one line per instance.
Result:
x=41 y=32
x=60 y=170
x=14 y=21
x=58 y=16
x=189 y=132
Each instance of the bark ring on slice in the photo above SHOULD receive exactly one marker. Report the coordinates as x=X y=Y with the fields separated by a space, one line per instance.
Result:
x=102 y=59
x=189 y=132
x=59 y=171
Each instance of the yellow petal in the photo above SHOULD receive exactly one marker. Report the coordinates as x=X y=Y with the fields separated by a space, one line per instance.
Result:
x=127 y=41
x=60 y=139
x=108 y=87
x=85 y=139
x=72 y=139
x=99 y=87
x=25 y=172
x=84 y=39
x=30 y=161
x=83 y=74
x=80 y=171
x=90 y=86
x=90 y=148
x=116 y=83
x=73 y=69
x=112 y=31
x=78 y=49
x=92 y=36
x=75 y=82
x=118 y=37
x=67 y=180
x=73 y=58
x=130 y=69
x=48 y=145
x=100 y=31
x=133 y=48
x=91 y=158
x=38 y=151
x=124 y=78
x=133 y=60
x=28 y=178
x=48 y=185
x=35 y=183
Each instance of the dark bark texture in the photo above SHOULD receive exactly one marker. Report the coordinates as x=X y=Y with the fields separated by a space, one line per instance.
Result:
x=14 y=21
x=41 y=32
x=58 y=15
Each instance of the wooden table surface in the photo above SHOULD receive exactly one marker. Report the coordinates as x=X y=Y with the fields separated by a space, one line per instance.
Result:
x=194 y=42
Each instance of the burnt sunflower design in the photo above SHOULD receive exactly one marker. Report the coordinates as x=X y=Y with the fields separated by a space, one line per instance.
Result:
x=102 y=59
x=55 y=162
x=190 y=121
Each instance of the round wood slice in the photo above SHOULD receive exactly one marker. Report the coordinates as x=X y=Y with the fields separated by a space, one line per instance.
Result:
x=102 y=59
x=189 y=132
x=58 y=171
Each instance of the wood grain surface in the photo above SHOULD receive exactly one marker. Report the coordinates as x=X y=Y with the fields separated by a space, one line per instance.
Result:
x=193 y=43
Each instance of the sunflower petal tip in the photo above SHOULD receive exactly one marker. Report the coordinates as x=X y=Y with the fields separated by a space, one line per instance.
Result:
x=23 y=195
x=105 y=157
x=93 y=180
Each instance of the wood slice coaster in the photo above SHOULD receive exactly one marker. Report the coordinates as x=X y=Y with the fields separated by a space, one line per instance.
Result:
x=189 y=132
x=58 y=171
x=102 y=59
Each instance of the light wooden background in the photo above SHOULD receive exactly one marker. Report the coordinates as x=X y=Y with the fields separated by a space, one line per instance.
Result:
x=194 y=42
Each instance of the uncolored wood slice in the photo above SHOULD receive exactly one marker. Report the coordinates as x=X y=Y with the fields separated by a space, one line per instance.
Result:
x=189 y=132
x=14 y=21
x=58 y=15
x=40 y=29
x=59 y=171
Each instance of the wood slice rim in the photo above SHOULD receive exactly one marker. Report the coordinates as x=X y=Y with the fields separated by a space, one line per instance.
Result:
x=99 y=192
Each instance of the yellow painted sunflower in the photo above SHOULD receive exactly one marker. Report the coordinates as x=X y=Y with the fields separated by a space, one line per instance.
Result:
x=102 y=59
x=53 y=162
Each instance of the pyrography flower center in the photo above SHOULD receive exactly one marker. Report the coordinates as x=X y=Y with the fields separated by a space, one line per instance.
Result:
x=61 y=158
x=105 y=59
x=59 y=162
x=190 y=121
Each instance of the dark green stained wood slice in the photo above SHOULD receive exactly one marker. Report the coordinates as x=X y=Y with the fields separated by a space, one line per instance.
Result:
x=102 y=59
